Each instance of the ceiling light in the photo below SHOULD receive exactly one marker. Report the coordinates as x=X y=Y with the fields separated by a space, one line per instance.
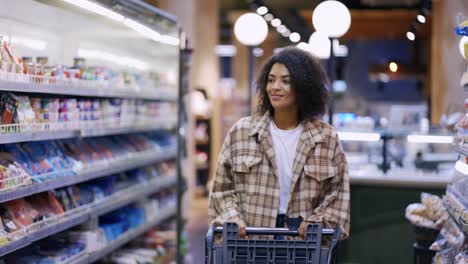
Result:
x=331 y=18
x=118 y=59
x=430 y=139
x=358 y=136
x=421 y=19
x=226 y=50
x=286 y=33
x=268 y=17
x=166 y=39
x=295 y=37
x=142 y=29
x=303 y=46
x=95 y=8
x=33 y=44
x=250 y=29
x=276 y=22
x=281 y=29
x=258 y=52
x=393 y=66
x=320 y=45
x=410 y=35
x=262 y=10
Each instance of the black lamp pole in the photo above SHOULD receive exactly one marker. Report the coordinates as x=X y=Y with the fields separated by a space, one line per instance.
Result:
x=251 y=67
x=331 y=77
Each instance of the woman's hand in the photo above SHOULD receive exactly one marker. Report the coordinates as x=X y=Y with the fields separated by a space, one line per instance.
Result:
x=303 y=229
x=242 y=232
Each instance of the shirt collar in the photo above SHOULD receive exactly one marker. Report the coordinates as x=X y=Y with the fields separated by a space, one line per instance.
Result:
x=311 y=130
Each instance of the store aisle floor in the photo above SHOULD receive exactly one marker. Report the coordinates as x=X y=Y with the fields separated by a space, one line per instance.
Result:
x=196 y=227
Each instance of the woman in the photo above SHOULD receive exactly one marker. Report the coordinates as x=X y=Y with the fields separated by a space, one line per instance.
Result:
x=284 y=161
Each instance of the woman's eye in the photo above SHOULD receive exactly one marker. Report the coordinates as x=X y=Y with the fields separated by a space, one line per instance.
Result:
x=286 y=81
x=271 y=80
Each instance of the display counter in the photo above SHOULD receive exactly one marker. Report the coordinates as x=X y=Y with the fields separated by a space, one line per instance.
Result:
x=380 y=232
x=400 y=179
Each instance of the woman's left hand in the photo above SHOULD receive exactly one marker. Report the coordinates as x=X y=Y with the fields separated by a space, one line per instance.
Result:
x=303 y=229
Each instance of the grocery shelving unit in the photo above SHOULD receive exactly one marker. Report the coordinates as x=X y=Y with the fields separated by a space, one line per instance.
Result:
x=92 y=172
x=81 y=215
x=125 y=238
x=28 y=135
x=51 y=86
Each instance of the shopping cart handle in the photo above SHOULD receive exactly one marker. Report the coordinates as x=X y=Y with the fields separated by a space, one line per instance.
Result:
x=274 y=231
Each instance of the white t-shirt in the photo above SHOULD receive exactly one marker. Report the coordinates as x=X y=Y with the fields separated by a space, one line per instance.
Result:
x=285 y=145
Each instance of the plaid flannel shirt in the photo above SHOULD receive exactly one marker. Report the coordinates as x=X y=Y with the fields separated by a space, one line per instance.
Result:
x=246 y=189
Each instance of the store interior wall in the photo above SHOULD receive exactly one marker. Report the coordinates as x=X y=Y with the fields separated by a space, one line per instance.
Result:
x=361 y=91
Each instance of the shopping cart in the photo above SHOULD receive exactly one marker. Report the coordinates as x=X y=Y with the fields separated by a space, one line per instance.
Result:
x=236 y=250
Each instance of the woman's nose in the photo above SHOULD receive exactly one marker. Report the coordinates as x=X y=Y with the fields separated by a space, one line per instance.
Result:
x=276 y=85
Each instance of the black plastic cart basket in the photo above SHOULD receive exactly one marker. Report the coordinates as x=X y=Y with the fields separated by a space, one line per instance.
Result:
x=236 y=250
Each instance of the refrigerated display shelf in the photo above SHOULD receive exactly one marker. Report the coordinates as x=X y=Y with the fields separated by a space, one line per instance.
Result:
x=132 y=194
x=79 y=88
x=81 y=215
x=132 y=161
x=154 y=126
x=126 y=237
x=40 y=135
x=37 y=136
x=44 y=232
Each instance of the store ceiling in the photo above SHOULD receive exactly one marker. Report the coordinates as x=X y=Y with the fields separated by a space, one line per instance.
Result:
x=310 y=4
x=371 y=19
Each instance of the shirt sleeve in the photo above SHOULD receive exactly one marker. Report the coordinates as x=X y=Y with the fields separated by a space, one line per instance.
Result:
x=334 y=210
x=223 y=202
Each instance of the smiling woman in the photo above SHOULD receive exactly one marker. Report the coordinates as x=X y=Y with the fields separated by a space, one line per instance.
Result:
x=283 y=162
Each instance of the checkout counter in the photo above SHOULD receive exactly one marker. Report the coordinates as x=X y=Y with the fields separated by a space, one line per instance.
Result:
x=385 y=176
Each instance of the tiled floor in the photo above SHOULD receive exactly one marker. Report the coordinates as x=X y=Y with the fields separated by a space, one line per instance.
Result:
x=196 y=227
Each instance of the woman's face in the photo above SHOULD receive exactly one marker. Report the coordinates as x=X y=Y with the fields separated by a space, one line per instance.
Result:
x=279 y=88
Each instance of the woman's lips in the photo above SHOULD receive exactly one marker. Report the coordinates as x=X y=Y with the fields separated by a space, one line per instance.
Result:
x=276 y=97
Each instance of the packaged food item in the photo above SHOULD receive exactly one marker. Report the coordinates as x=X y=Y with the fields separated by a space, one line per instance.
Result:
x=430 y=214
x=28 y=66
x=449 y=243
x=15 y=62
x=22 y=211
x=9 y=223
x=11 y=173
x=46 y=204
x=25 y=112
x=3 y=234
x=80 y=65
x=64 y=199
x=8 y=106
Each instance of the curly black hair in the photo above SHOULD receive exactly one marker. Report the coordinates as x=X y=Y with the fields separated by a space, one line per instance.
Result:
x=308 y=79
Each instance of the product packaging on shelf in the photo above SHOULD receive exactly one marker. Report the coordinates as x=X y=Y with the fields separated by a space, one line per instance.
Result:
x=42 y=72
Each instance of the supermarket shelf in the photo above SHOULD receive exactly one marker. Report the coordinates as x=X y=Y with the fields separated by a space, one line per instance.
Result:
x=70 y=219
x=44 y=232
x=129 y=236
x=132 y=194
x=118 y=165
x=157 y=125
x=85 y=132
x=82 y=88
x=37 y=136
